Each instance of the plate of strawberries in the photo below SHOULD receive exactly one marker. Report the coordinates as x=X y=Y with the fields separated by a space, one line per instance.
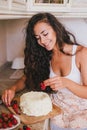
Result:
x=8 y=121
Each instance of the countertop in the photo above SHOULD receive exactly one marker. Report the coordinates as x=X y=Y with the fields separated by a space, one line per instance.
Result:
x=6 y=82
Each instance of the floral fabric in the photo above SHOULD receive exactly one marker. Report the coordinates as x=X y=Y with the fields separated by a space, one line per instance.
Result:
x=74 y=110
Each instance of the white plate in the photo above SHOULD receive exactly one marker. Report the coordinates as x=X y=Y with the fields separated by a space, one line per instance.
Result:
x=14 y=126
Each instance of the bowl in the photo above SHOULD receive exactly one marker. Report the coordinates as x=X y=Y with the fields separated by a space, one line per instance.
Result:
x=18 y=63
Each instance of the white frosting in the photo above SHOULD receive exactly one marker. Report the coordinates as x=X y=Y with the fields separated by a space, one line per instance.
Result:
x=35 y=103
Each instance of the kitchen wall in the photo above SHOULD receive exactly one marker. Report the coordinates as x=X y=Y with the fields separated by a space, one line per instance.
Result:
x=15 y=38
x=3 y=51
x=78 y=27
x=12 y=36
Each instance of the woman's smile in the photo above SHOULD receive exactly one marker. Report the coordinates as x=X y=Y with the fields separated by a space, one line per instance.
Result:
x=48 y=46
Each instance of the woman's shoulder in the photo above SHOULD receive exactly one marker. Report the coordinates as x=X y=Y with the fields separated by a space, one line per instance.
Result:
x=81 y=51
x=81 y=55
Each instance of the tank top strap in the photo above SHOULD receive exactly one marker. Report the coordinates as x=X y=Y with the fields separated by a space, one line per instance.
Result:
x=73 y=57
x=74 y=49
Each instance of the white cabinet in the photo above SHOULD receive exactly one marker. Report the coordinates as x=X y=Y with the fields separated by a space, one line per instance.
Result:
x=12 y=5
x=5 y=4
x=79 y=3
x=26 y=8
x=79 y=6
x=11 y=9
x=19 y=5
x=61 y=8
x=48 y=5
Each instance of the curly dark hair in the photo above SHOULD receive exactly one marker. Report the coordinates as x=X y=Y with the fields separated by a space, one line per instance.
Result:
x=37 y=58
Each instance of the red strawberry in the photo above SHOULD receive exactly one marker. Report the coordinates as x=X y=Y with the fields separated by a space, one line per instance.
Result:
x=25 y=127
x=9 y=124
x=10 y=116
x=1 y=120
x=42 y=85
x=5 y=118
x=14 y=121
x=15 y=106
x=28 y=128
x=4 y=125
x=3 y=114
x=16 y=110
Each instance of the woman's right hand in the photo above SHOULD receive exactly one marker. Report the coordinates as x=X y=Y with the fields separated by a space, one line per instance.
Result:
x=7 y=96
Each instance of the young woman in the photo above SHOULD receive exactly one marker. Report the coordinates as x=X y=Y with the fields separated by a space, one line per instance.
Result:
x=52 y=56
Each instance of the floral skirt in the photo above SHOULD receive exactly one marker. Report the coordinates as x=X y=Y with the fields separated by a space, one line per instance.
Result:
x=54 y=127
x=74 y=111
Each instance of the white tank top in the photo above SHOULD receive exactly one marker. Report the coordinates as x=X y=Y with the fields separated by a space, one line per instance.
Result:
x=74 y=74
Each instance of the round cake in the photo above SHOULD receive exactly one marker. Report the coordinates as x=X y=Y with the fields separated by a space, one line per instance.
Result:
x=35 y=103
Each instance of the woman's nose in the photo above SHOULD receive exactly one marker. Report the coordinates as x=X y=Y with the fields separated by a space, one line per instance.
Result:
x=42 y=40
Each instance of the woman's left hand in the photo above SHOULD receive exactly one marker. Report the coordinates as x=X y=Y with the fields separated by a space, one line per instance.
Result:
x=55 y=83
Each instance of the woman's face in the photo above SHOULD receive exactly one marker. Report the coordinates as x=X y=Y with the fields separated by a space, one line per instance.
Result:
x=45 y=35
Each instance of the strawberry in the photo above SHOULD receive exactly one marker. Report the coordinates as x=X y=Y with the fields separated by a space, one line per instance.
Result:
x=25 y=127
x=1 y=120
x=10 y=116
x=42 y=85
x=28 y=128
x=15 y=106
x=10 y=124
x=4 y=125
x=3 y=114
x=5 y=118
x=16 y=110
x=14 y=121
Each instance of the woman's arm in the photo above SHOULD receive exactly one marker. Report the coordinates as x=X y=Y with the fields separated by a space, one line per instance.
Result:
x=19 y=85
x=80 y=90
x=9 y=94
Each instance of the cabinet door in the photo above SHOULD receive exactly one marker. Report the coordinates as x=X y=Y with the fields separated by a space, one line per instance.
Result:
x=19 y=5
x=78 y=3
x=19 y=1
x=47 y=5
x=79 y=6
x=5 y=4
x=13 y=5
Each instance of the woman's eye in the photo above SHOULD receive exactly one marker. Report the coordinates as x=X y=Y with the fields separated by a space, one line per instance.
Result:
x=37 y=38
x=46 y=34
